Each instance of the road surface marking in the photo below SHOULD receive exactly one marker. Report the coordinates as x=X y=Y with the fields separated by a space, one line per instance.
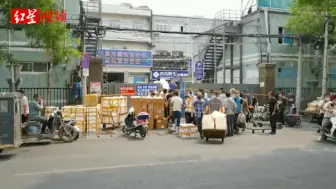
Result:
x=105 y=168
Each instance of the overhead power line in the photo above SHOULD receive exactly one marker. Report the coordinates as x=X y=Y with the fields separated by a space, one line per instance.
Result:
x=294 y=36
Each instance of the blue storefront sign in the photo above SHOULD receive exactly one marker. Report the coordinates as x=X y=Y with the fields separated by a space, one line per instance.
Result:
x=168 y=74
x=143 y=89
x=199 y=71
x=125 y=57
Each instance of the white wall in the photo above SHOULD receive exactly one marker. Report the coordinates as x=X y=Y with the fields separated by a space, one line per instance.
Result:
x=120 y=9
x=122 y=44
x=175 y=42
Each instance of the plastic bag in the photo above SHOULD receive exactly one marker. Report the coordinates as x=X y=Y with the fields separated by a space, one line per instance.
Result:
x=241 y=121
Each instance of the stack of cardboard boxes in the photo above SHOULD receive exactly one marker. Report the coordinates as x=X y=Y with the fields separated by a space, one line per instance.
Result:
x=113 y=110
x=154 y=106
x=80 y=117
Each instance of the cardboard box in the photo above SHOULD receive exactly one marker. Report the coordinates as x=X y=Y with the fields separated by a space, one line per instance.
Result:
x=159 y=124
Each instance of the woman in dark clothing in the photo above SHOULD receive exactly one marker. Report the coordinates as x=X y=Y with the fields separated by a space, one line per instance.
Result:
x=272 y=103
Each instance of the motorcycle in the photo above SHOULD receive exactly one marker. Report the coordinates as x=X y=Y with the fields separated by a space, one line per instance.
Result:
x=331 y=130
x=66 y=132
x=72 y=122
x=136 y=124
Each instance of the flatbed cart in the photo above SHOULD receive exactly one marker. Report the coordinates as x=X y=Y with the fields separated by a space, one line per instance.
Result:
x=259 y=126
x=214 y=133
x=310 y=116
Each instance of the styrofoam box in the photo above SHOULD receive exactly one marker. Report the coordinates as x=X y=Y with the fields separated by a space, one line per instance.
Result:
x=187 y=125
x=187 y=135
x=123 y=109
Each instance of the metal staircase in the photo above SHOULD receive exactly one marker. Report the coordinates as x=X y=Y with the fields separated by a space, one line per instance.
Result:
x=213 y=54
x=213 y=51
x=93 y=18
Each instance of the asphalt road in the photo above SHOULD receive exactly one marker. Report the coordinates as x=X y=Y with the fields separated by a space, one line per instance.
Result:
x=292 y=159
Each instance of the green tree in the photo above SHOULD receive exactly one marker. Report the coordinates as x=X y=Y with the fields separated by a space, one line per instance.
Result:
x=307 y=17
x=54 y=37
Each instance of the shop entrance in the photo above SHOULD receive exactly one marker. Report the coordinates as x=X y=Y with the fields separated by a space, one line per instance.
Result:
x=115 y=77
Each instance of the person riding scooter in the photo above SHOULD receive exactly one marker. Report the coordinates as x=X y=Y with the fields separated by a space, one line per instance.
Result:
x=329 y=109
x=35 y=108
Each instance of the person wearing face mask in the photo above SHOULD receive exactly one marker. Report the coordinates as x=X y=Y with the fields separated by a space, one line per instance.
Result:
x=199 y=108
x=215 y=104
x=329 y=109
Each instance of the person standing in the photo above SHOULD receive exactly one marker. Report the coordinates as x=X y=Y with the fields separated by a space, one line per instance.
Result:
x=188 y=109
x=230 y=110
x=215 y=104
x=176 y=103
x=172 y=85
x=24 y=107
x=167 y=104
x=272 y=103
x=222 y=96
x=199 y=108
x=239 y=101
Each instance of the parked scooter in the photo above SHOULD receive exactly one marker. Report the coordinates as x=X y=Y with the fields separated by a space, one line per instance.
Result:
x=136 y=124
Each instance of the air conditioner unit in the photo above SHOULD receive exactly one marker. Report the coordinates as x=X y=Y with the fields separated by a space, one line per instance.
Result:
x=162 y=53
x=177 y=54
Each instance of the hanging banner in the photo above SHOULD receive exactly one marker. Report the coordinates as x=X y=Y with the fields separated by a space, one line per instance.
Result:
x=143 y=89
x=199 y=71
x=127 y=90
x=125 y=57
x=168 y=74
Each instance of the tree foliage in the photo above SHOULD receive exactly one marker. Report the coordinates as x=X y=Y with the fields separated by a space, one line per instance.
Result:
x=54 y=37
x=307 y=17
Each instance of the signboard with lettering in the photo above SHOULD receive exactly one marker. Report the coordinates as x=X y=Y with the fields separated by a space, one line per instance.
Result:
x=127 y=90
x=143 y=89
x=199 y=71
x=168 y=74
x=125 y=57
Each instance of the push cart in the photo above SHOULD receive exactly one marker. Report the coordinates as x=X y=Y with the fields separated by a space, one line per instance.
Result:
x=214 y=131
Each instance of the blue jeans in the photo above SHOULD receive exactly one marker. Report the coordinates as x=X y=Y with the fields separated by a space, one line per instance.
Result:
x=198 y=121
x=230 y=122
x=177 y=116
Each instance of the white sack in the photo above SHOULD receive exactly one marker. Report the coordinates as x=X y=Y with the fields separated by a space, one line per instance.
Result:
x=209 y=121
x=241 y=120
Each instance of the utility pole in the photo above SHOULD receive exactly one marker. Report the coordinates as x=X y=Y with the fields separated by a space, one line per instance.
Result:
x=325 y=53
x=299 y=77
x=82 y=48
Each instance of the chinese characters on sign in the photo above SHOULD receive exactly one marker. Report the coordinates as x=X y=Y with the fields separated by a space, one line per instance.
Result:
x=127 y=90
x=127 y=57
x=168 y=74
x=35 y=16
x=143 y=90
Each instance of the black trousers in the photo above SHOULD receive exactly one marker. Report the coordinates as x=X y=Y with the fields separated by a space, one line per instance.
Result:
x=282 y=116
x=188 y=117
x=273 y=121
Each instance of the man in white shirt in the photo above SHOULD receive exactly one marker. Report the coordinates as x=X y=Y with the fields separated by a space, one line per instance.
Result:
x=24 y=107
x=176 y=103
x=329 y=109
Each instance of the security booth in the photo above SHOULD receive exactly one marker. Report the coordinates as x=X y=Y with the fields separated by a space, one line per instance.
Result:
x=10 y=120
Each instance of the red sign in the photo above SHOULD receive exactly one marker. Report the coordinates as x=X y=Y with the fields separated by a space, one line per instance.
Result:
x=127 y=90
x=34 y=16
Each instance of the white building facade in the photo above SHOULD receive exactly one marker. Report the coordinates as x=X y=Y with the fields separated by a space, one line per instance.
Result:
x=126 y=55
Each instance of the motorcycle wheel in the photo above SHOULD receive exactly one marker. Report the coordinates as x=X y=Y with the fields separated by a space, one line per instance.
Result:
x=143 y=132
x=68 y=133
x=1 y=150
x=77 y=136
x=125 y=131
